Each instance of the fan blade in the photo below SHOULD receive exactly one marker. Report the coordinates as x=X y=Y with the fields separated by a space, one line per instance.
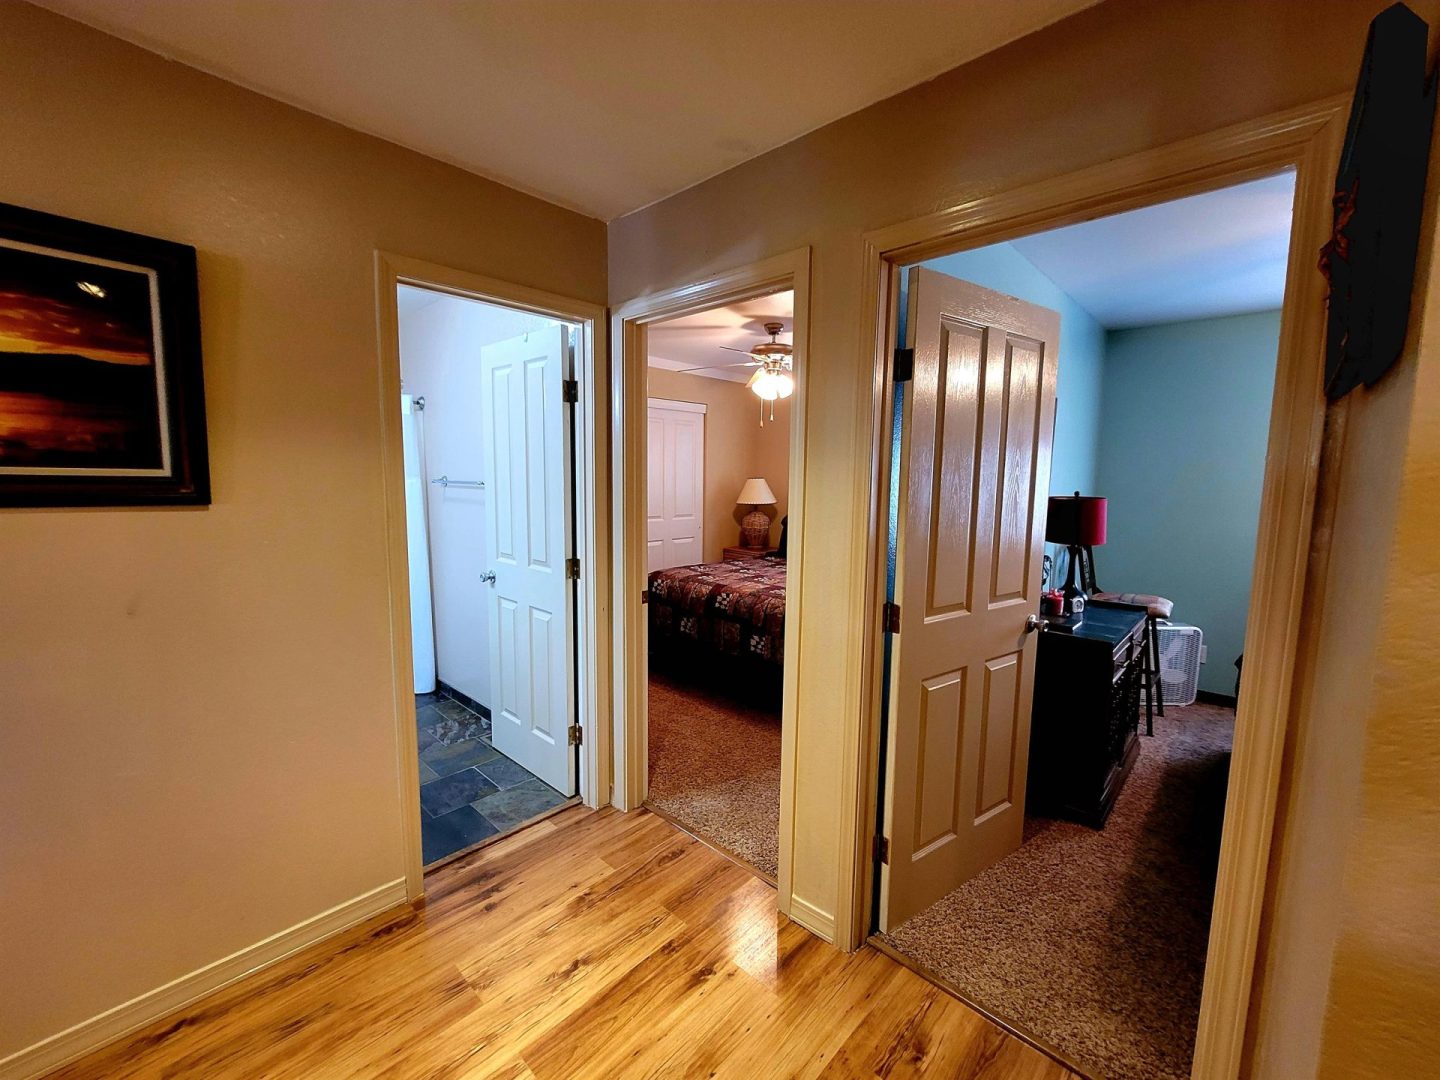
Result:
x=715 y=367
x=727 y=348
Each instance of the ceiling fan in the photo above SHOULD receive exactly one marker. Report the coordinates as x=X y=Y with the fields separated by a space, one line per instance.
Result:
x=772 y=361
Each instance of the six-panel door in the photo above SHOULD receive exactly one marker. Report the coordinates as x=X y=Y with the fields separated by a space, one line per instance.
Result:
x=974 y=472
x=527 y=472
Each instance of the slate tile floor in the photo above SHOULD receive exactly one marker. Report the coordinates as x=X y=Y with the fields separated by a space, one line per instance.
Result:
x=468 y=789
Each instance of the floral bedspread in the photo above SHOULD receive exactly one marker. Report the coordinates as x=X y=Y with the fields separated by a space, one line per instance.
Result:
x=732 y=608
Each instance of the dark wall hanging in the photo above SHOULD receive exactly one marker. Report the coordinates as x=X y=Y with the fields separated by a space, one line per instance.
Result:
x=101 y=396
x=1379 y=197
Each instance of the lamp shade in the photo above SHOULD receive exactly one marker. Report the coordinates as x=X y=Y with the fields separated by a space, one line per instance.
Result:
x=1076 y=520
x=756 y=492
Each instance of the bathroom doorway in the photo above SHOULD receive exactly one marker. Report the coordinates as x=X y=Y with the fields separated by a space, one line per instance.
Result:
x=488 y=434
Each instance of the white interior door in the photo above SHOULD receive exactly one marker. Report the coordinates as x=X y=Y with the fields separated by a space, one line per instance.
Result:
x=675 y=488
x=527 y=473
x=974 y=470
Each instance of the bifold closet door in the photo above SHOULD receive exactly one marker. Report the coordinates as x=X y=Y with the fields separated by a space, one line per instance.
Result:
x=675 y=484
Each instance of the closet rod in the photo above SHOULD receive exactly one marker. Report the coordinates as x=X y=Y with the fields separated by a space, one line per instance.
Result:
x=445 y=481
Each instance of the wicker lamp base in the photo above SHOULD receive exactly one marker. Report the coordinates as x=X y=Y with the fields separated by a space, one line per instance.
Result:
x=755 y=530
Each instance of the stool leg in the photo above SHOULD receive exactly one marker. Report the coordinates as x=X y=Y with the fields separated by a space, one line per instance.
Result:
x=1155 y=652
x=1148 y=680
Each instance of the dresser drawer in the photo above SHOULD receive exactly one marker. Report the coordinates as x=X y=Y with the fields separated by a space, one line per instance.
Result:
x=1128 y=651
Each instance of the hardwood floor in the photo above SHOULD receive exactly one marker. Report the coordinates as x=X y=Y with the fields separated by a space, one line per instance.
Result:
x=593 y=944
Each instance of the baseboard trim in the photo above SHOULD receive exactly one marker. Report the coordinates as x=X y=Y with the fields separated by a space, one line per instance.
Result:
x=90 y=1035
x=446 y=690
x=1210 y=697
x=820 y=923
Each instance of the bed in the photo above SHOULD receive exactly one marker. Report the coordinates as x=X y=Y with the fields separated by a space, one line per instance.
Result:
x=732 y=611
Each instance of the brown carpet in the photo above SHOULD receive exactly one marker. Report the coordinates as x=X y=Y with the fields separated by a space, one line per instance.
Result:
x=715 y=768
x=1094 y=941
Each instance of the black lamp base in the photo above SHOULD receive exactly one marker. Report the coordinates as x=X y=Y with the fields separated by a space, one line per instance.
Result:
x=1073 y=570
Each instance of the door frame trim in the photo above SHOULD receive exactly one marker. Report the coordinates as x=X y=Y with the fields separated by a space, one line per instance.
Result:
x=630 y=397
x=679 y=406
x=592 y=694
x=1308 y=140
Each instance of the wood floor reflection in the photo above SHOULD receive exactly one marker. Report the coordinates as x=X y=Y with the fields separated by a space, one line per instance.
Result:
x=592 y=944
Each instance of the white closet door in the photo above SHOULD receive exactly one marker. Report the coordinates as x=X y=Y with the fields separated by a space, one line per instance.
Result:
x=675 y=496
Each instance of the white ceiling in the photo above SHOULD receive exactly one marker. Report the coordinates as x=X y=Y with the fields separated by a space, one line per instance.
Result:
x=603 y=106
x=1221 y=253
x=700 y=341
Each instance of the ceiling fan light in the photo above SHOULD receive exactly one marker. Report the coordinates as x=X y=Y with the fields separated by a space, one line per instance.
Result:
x=784 y=383
x=765 y=385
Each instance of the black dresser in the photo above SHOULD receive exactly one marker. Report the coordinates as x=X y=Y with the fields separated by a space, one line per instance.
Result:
x=1083 y=739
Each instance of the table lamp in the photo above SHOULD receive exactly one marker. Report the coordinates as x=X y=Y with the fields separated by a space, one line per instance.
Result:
x=1078 y=522
x=755 y=526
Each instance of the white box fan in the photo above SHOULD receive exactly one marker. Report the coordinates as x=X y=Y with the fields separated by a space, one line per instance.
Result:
x=1179 y=661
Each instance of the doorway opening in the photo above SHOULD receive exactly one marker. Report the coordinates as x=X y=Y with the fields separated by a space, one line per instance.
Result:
x=489 y=446
x=718 y=424
x=1060 y=715
x=631 y=375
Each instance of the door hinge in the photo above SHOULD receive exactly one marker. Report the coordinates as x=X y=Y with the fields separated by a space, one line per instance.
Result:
x=576 y=735
x=571 y=391
x=904 y=365
x=882 y=849
x=644 y=596
x=572 y=569
x=890 y=617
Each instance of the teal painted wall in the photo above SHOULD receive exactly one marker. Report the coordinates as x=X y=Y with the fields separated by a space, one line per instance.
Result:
x=1184 y=422
x=1082 y=353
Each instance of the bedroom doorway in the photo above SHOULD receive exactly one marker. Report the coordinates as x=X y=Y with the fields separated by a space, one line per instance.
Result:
x=1303 y=144
x=1097 y=813
x=720 y=388
x=752 y=449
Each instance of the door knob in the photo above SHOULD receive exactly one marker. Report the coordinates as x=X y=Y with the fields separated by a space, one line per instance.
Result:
x=1033 y=623
x=488 y=576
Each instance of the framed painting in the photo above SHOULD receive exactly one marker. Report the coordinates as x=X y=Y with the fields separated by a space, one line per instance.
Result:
x=102 y=400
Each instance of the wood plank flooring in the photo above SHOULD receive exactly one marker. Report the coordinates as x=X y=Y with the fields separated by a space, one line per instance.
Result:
x=592 y=944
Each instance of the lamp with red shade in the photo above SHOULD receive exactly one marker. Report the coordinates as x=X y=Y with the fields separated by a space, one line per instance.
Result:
x=1078 y=522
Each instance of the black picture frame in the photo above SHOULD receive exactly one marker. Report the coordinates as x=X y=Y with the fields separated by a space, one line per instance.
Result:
x=98 y=424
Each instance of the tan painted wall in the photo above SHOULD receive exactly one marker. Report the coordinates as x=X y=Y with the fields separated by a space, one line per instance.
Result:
x=736 y=447
x=1383 y=1018
x=1360 y=817
x=1126 y=76
x=772 y=459
x=194 y=704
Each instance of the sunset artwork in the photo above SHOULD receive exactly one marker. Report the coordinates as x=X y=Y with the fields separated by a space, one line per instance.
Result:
x=102 y=390
x=81 y=370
